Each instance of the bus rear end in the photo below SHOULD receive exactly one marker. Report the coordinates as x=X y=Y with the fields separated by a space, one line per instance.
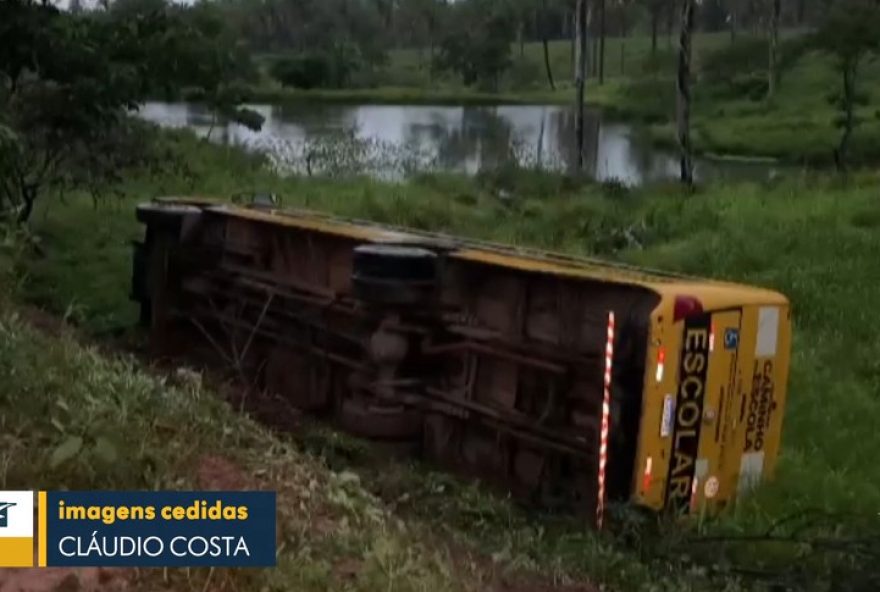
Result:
x=715 y=395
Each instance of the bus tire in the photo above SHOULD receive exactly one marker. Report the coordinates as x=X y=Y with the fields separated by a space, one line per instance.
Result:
x=379 y=423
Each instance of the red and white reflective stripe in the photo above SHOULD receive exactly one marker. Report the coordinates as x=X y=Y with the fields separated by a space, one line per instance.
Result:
x=606 y=420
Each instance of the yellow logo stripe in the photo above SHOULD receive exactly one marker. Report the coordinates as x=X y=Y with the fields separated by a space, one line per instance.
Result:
x=41 y=528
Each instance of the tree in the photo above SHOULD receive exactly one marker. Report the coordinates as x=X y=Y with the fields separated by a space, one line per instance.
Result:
x=572 y=54
x=68 y=82
x=773 y=66
x=209 y=61
x=476 y=43
x=849 y=35
x=683 y=94
x=357 y=32
x=545 y=44
x=732 y=18
x=64 y=86
x=581 y=77
x=522 y=12
x=623 y=9
x=602 y=34
x=418 y=20
x=654 y=9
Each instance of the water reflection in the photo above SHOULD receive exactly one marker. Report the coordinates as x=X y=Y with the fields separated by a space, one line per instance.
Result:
x=462 y=139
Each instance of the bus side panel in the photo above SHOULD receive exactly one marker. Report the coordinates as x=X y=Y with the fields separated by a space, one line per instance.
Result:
x=757 y=415
x=718 y=403
x=780 y=394
x=652 y=460
x=742 y=398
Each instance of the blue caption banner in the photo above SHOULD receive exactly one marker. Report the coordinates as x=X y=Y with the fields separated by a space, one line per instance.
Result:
x=160 y=528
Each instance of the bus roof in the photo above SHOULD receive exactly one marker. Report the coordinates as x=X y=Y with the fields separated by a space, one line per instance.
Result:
x=521 y=258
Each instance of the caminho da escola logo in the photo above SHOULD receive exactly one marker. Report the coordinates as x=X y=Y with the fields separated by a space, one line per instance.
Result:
x=4 y=510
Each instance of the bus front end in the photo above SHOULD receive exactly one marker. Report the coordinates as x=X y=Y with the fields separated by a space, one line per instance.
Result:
x=715 y=390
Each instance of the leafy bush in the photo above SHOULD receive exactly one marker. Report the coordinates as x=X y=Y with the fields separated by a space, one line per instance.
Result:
x=737 y=69
x=524 y=74
x=305 y=71
x=477 y=45
x=743 y=57
x=70 y=79
x=510 y=180
x=333 y=68
x=753 y=85
x=652 y=98
x=661 y=62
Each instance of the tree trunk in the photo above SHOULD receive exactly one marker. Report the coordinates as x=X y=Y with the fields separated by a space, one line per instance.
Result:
x=683 y=95
x=580 y=78
x=572 y=56
x=540 y=151
x=849 y=99
x=28 y=197
x=213 y=123
x=773 y=66
x=733 y=18
x=432 y=31
x=670 y=21
x=594 y=46
x=543 y=24
x=601 y=42
x=522 y=40
x=547 y=62
x=655 y=23
x=431 y=58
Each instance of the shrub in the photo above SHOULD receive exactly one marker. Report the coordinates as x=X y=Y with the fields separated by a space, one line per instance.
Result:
x=661 y=62
x=652 y=98
x=744 y=57
x=753 y=85
x=525 y=74
x=738 y=68
x=305 y=71
x=331 y=68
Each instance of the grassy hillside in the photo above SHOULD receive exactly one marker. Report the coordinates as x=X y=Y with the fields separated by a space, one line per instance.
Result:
x=812 y=237
x=78 y=418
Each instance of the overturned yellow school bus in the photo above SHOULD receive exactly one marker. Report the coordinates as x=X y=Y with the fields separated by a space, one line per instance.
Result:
x=570 y=382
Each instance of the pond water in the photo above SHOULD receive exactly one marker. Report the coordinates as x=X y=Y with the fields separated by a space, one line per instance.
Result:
x=391 y=141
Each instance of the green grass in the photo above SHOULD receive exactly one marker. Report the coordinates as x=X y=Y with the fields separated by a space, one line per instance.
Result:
x=813 y=237
x=390 y=95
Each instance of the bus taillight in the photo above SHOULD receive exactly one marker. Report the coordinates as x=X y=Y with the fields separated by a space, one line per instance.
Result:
x=661 y=362
x=686 y=306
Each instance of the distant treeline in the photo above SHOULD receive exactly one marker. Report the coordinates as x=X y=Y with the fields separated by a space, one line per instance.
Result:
x=377 y=25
